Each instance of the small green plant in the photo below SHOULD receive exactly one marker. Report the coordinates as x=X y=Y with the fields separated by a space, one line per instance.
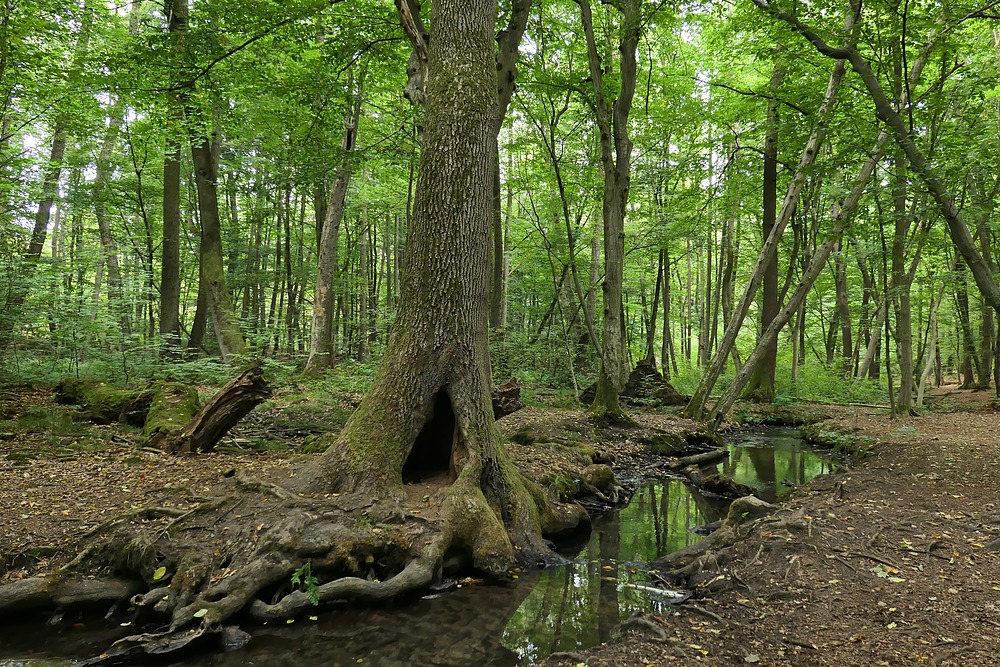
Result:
x=307 y=582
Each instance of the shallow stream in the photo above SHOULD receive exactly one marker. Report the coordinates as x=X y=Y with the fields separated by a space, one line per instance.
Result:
x=559 y=609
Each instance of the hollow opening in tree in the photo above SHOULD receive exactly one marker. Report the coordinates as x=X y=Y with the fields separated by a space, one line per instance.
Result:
x=431 y=454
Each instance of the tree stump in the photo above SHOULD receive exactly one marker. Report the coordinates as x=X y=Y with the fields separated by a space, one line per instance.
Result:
x=507 y=398
x=219 y=414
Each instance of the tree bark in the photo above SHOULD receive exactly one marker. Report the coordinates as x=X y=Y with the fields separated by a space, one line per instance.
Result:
x=322 y=335
x=616 y=161
x=508 y=43
x=170 y=250
x=205 y=156
x=884 y=109
x=429 y=410
x=761 y=385
x=108 y=246
x=843 y=309
x=842 y=215
x=696 y=407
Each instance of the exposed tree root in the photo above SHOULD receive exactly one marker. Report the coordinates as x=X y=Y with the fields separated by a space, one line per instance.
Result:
x=233 y=553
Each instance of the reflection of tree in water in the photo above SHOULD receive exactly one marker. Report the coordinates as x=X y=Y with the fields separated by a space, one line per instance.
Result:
x=607 y=606
x=580 y=605
x=763 y=463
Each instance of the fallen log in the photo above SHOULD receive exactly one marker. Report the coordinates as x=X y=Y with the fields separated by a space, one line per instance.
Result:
x=219 y=414
x=104 y=404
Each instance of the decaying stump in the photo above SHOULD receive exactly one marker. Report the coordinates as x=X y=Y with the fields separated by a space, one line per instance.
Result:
x=507 y=398
x=645 y=386
x=229 y=405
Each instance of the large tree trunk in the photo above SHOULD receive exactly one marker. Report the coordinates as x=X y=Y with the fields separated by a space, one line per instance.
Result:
x=428 y=416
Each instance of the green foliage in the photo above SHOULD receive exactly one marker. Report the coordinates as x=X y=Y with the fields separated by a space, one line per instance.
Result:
x=307 y=582
x=815 y=382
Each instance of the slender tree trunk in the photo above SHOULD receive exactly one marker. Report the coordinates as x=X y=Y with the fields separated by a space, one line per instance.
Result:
x=841 y=215
x=616 y=161
x=363 y=279
x=170 y=249
x=930 y=350
x=508 y=43
x=650 y=357
x=900 y=288
x=323 y=333
x=696 y=407
x=886 y=111
x=843 y=309
x=761 y=385
x=205 y=156
x=109 y=249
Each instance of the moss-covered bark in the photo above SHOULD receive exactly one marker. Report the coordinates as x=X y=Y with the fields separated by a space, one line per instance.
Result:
x=437 y=360
x=105 y=404
x=171 y=408
x=428 y=419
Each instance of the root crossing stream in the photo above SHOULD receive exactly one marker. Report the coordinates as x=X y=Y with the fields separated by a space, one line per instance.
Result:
x=560 y=609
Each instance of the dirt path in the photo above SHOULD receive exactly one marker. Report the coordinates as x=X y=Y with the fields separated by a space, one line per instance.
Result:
x=895 y=562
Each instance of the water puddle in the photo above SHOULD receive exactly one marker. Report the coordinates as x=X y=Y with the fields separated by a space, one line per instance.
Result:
x=560 y=609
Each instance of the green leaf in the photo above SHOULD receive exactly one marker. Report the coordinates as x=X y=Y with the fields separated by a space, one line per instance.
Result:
x=200 y=613
x=159 y=573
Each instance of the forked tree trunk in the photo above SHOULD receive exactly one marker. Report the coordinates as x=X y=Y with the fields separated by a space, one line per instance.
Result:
x=428 y=415
x=616 y=160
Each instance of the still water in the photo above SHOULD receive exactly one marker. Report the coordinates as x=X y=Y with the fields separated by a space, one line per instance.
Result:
x=560 y=609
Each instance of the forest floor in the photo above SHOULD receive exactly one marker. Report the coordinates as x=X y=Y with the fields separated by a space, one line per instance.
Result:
x=895 y=561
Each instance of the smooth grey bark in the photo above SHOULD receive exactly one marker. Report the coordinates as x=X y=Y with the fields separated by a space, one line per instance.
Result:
x=109 y=249
x=508 y=43
x=322 y=335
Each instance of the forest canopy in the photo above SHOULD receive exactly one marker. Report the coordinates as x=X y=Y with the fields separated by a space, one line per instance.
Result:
x=166 y=173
